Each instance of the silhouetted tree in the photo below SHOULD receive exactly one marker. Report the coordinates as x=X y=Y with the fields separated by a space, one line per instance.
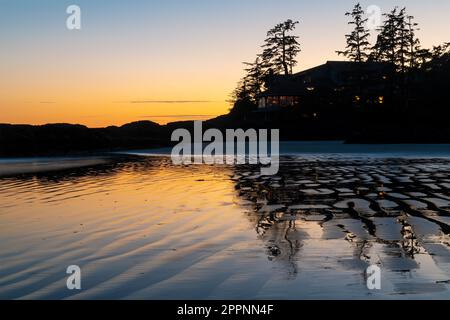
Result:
x=242 y=99
x=385 y=48
x=281 y=48
x=441 y=50
x=402 y=40
x=251 y=85
x=439 y=56
x=240 y=92
x=397 y=42
x=279 y=56
x=357 y=41
x=256 y=72
x=414 y=43
x=423 y=56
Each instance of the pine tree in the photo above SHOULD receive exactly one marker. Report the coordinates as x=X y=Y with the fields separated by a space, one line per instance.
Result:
x=439 y=56
x=403 y=39
x=397 y=42
x=357 y=41
x=423 y=56
x=281 y=48
x=385 y=48
x=441 y=50
x=241 y=99
x=240 y=92
x=251 y=85
x=414 y=43
x=254 y=78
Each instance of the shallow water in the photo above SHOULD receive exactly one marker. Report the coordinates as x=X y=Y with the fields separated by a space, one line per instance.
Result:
x=143 y=228
x=311 y=149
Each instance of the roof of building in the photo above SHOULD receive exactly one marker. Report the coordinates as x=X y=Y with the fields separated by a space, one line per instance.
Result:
x=325 y=74
x=346 y=66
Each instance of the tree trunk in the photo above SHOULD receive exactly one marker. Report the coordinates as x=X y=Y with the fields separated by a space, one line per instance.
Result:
x=285 y=66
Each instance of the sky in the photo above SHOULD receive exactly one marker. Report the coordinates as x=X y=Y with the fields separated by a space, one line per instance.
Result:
x=159 y=60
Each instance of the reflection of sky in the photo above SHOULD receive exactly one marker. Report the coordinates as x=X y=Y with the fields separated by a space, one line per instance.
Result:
x=328 y=150
x=157 y=50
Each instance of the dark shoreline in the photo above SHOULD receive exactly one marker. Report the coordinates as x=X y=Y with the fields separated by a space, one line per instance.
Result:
x=77 y=140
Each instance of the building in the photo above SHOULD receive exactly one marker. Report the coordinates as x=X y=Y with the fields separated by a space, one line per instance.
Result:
x=367 y=80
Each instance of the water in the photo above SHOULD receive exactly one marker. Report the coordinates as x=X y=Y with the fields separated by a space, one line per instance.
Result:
x=340 y=149
x=142 y=228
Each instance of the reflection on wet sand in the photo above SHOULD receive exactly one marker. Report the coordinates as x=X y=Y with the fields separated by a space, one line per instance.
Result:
x=394 y=213
x=143 y=228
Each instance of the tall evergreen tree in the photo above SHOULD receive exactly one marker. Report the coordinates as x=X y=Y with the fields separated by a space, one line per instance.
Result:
x=281 y=48
x=357 y=41
x=255 y=76
x=385 y=48
x=414 y=43
x=241 y=99
x=240 y=92
x=251 y=85
x=397 y=42
x=403 y=39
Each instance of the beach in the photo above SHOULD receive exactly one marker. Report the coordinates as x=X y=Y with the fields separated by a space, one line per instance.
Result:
x=19 y=166
x=143 y=228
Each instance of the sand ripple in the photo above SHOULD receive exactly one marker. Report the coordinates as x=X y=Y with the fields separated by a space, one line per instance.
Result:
x=142 y=228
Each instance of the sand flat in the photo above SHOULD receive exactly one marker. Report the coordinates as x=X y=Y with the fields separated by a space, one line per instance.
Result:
x=11 y=168
x=145 y=229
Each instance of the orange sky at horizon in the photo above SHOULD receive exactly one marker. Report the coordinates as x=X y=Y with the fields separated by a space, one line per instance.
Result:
x=105 y=91
x=162 y=61
x=110 y=94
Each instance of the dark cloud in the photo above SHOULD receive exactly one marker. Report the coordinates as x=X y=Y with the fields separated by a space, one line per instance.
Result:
x=165 y=101
x=180 y=116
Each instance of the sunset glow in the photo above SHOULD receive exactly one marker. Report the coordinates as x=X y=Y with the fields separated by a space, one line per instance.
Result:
x=157 y=60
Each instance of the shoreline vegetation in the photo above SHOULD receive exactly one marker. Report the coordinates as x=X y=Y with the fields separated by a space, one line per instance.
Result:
x=390 y=92
x=73 y=140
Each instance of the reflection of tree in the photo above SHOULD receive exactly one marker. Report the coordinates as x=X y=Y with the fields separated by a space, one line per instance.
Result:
x=279 y=237
x=410 y=245
x=346 y=190
x=362 y=250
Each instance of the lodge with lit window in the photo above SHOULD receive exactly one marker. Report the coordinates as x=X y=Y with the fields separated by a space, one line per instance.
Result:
x=358 y=83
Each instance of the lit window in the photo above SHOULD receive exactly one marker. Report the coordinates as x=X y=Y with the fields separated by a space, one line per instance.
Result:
x=262 y=103
x=381 y=100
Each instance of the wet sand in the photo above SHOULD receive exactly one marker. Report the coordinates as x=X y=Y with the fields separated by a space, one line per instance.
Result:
x=146 y=229
x=334 y=214
x=27 y=166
